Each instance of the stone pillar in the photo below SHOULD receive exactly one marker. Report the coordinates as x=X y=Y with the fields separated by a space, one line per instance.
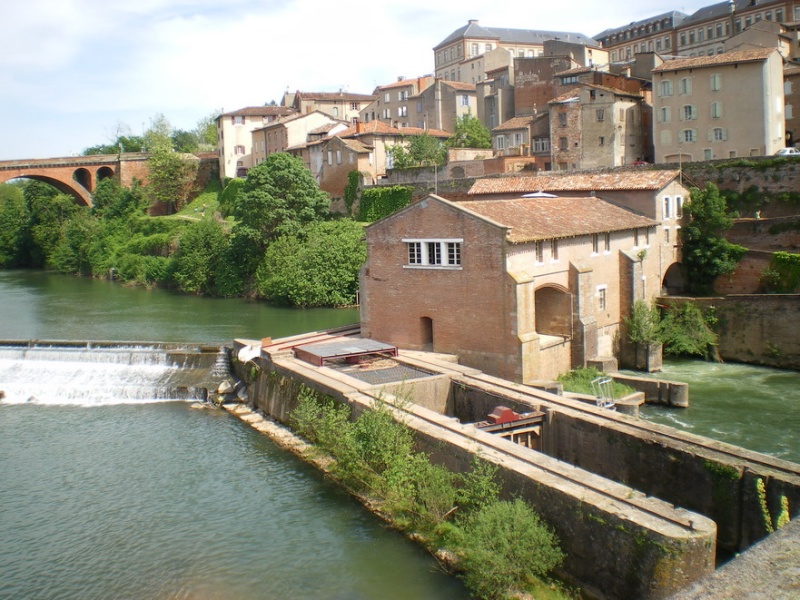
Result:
x=584 y=322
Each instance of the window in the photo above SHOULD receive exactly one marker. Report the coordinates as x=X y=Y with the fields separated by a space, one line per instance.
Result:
x=562 y=119
x=473 y=50
x=601 y=114
x=419 y=107
x=719 y=30
x=335 y=111
x=541 y=145
x=689 y=113
x=402 y=111
x=517 y=139
x=554 y=250
x=602 y=297
x=666 y=235
x=689 y=135
x=678 y=207
x=665 y=88
x=387 y=97
x=488 y=48
x=464 y=100
x=665 y=114
x=501 y=142
x=434 y=253
x=238 y=149
x=562 y=144
x=237 y=120
x=402 y=95
x=338 y=157
x=636 y=238
x=667 y=206
x=602 y=141
x=330 y=157
x=719 y=134
x=354 y=106
x=595 y=243
x=685 y=86
x=607 y=242
x=715 y=81
x=716 y=110
x=539 y=250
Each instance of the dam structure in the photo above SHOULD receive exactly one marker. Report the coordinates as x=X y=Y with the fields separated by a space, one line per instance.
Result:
x=642 y=510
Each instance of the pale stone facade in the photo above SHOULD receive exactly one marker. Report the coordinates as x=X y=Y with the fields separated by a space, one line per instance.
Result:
x=287 y=133
x=394 y=104
x=724 y=106
x=235 y=140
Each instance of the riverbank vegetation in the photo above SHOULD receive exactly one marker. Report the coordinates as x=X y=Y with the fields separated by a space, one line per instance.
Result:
x=497 y=546
x=270 y=236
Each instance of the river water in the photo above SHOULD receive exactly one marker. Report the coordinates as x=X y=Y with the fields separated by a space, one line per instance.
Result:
x=109 y=495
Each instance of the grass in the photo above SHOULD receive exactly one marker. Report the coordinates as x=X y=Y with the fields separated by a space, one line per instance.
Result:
x=579 y=381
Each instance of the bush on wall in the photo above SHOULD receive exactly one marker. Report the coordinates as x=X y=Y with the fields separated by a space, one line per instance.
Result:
x=377 y=203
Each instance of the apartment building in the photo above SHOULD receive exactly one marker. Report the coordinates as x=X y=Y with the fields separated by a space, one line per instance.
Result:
x=523 y=289
x=595 y=126
x=654 y=34
x=722 y=106
x=393 y=102
x=344 y=106
x=466 y=54
x=235 y=140
x=288 y=133
x=439 y=106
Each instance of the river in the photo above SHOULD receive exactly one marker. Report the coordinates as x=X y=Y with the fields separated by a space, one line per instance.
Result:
x=131 y=498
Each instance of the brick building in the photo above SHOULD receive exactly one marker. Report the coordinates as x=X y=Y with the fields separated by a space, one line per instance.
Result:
x=523 y=289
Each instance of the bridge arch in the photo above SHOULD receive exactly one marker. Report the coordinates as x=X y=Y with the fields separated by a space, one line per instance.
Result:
x=74 y=189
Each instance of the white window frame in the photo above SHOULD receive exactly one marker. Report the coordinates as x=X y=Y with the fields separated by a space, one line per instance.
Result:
x=444 y=253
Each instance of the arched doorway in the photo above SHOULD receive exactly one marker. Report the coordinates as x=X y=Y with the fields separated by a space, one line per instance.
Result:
x=553 y=312
x=674 y=282
x=426 y=333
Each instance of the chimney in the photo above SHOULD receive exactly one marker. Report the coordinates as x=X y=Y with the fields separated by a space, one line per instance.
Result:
x=359 y=127
x=473 y=21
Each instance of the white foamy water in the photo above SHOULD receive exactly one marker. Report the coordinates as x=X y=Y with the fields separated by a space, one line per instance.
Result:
x=85 y=376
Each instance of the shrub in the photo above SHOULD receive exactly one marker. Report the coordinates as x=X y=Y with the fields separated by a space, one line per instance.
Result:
x=579 y=381
x=687 y=331
x=505 y=543
x=377 y=203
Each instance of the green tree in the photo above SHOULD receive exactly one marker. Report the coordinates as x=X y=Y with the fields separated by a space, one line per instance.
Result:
x=184 y=141
x=170 y=175
x=14 y=231
x=200 y=247
x=470 y=133
x=318 y=268
x=49 y=211
x=279 y=197
x=420 y=150
x=206 y=132
x=706 y=253
x=72 y=253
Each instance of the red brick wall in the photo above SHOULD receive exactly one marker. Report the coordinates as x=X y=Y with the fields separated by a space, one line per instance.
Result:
x=463 y=304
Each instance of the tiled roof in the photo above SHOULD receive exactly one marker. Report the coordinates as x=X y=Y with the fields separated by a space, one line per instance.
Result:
x=612 y=90
x=324 y=128
x=417 y=82
x=260 y=111
x=356 y=146
x=572 y=94
x=372 y=127
x=439 y=133
x=332 y=96
x=677 y=18
x=514 y=36
x=581 y=182
x=726 y=58
x=575 y=71
x=460 y=85
x=515 y=123
x=531 y=219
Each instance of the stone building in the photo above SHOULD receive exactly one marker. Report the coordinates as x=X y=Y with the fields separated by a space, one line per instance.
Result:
x=523 y=289
x=235 y=139
x=723 y=106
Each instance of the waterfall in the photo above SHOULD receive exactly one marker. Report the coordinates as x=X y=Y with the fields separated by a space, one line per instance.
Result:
x=92 y=375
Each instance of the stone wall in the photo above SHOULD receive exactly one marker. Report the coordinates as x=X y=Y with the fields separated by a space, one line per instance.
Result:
x=758 y=329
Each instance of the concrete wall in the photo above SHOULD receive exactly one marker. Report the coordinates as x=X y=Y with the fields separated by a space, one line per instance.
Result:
x=619 y=543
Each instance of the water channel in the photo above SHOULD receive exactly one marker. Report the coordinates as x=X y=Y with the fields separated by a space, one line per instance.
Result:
x=105 y=497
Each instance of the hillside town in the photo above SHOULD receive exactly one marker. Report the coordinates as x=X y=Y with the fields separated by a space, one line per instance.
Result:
x=720 y=83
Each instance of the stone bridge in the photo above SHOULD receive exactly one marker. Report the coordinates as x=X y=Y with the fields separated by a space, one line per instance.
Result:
x=78 y=175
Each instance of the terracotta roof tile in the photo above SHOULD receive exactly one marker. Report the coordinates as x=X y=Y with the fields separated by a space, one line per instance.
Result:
x=515 y=123
x=726 y=58
x=581 y=182
x=572 y=94
x=533 y=219
x=335 y=96
x=260 y=111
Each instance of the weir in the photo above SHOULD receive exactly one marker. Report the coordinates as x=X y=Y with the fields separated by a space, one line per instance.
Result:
x=640 y=508
x=59 y=372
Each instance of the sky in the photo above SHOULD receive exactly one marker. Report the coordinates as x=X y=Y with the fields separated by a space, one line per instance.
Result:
x=77 y=73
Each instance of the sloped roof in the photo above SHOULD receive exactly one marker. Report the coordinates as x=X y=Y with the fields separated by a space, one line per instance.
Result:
x=726 y=58
x=259 y=111
x=332 y=96
x=721 y=9
x=569 y=96
x=356 y=146
x=460 y=85
x=516 y=123
x=677 y=17
x=579 y=182
x=531 y=219
x=514 y=36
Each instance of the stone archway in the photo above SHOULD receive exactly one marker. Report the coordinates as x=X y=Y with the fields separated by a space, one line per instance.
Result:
x=553 y=311
x=674 y=282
